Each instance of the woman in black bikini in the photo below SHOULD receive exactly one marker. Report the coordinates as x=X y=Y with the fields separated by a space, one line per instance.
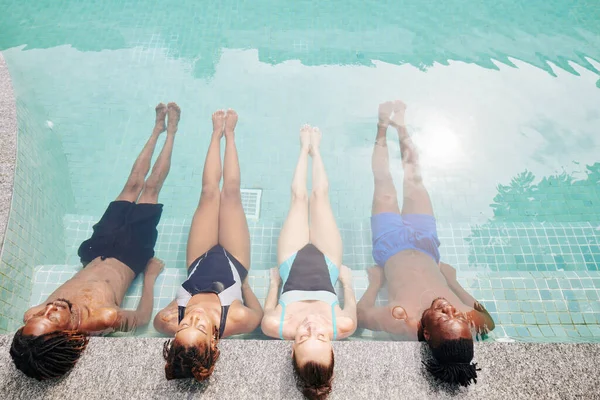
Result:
x=215 y=301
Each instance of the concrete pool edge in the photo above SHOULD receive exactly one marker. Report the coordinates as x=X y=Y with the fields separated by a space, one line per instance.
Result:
x=261 y=369
x=8 y=149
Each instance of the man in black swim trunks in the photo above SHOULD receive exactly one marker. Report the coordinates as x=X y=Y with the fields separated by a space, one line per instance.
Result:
x=122 y=245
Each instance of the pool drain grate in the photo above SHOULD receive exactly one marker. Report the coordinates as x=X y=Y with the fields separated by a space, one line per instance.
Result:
x=251 y=202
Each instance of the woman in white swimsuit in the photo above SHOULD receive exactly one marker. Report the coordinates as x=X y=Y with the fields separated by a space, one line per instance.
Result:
x=214 y=301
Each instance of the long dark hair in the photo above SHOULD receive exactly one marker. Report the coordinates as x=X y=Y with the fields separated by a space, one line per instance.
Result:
x=47 y=356
x=314 y=379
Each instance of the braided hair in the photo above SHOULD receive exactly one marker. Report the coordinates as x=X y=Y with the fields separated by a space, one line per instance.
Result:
x=47 y=356
x=452 y=362
x=187 y=362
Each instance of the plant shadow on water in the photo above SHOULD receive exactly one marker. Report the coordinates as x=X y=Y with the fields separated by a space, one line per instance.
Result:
x=534 y=208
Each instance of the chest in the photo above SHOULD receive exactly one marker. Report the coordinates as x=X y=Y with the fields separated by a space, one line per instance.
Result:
x=93 y=293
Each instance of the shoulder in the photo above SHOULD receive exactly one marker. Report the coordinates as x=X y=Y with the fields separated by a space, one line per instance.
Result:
x=345 y=326
x=101 y=320
x=167 y=319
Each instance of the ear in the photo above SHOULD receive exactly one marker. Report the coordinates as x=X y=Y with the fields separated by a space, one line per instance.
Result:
x=425 y=332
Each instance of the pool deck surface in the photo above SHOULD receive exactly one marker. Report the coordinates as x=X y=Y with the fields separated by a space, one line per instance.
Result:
x=132 y=368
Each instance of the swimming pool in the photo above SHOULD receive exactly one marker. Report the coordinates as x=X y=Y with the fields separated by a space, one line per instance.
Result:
x=503 y=102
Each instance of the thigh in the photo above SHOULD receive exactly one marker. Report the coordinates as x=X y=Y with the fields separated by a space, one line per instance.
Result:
x=204 y=231
x=416 y=198
x=233 y=227
x=294 y=234
x=324 y=232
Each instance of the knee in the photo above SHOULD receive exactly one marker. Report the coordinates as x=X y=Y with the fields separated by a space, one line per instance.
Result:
x=387 y=199
x=231 y=193
x=210 y=191
x=134 y=184
x=299 y=195
x=322 y=192
x=151 y=188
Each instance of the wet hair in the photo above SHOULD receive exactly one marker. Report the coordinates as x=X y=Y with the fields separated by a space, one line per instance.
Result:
x=452 y=362
x=452 y=358
x=47 y=356
x=314 y=379
x=187 y=362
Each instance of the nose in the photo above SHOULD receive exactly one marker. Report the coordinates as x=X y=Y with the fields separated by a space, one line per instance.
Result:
x=449 y=310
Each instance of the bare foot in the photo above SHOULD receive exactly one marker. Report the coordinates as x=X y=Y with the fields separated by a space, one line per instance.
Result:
x=154 y=267
x=305 y=137
x=218 y=120
x=174 y=114
x=397 y=119
x=315 y=140
x=161 y=112
x=385 y=112
x=230 y=122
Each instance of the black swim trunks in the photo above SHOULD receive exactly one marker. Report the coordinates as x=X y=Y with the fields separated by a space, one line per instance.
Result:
x=127 y=232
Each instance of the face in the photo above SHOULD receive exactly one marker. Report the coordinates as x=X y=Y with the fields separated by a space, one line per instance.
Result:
x=196 y=328
x=57 y=315
x=442 y=321
x=312 y=342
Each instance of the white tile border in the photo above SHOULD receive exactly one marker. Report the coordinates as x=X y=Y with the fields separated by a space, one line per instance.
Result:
x=8 y=149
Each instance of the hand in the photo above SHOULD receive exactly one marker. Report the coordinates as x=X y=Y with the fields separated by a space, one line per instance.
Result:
x=345 y=276
x=479 y=307
x=275 y=277
x=154 y=268
x=376 y=276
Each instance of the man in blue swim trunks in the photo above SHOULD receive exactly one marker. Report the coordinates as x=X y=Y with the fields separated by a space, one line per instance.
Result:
x=426 y=302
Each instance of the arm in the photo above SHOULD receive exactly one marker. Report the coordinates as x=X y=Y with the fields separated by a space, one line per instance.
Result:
x=480 y=316
x=273 y=293
x=166 y=320
x=346 y=320
x=270 y=321
x=128 y=320
x=381 y=318
x=369 y=316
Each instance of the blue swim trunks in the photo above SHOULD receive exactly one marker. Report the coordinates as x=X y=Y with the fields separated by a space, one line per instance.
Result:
x=393 y=233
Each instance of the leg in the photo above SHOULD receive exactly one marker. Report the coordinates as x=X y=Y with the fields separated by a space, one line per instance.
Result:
x=324 y=233
x=416 y=199
x=163 y=163
x=233 y=228
x=385 y=198
x=204 y=232
x=295 y=234
x=140 y=169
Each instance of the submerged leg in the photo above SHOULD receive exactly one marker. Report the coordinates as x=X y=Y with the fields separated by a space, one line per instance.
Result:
x=135 y=182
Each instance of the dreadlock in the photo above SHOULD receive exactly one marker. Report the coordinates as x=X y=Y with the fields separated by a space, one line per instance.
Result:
x=452 y=362
x=47 y=356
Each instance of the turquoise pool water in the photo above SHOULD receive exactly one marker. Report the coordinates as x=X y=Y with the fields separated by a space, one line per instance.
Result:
x=503 y=102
